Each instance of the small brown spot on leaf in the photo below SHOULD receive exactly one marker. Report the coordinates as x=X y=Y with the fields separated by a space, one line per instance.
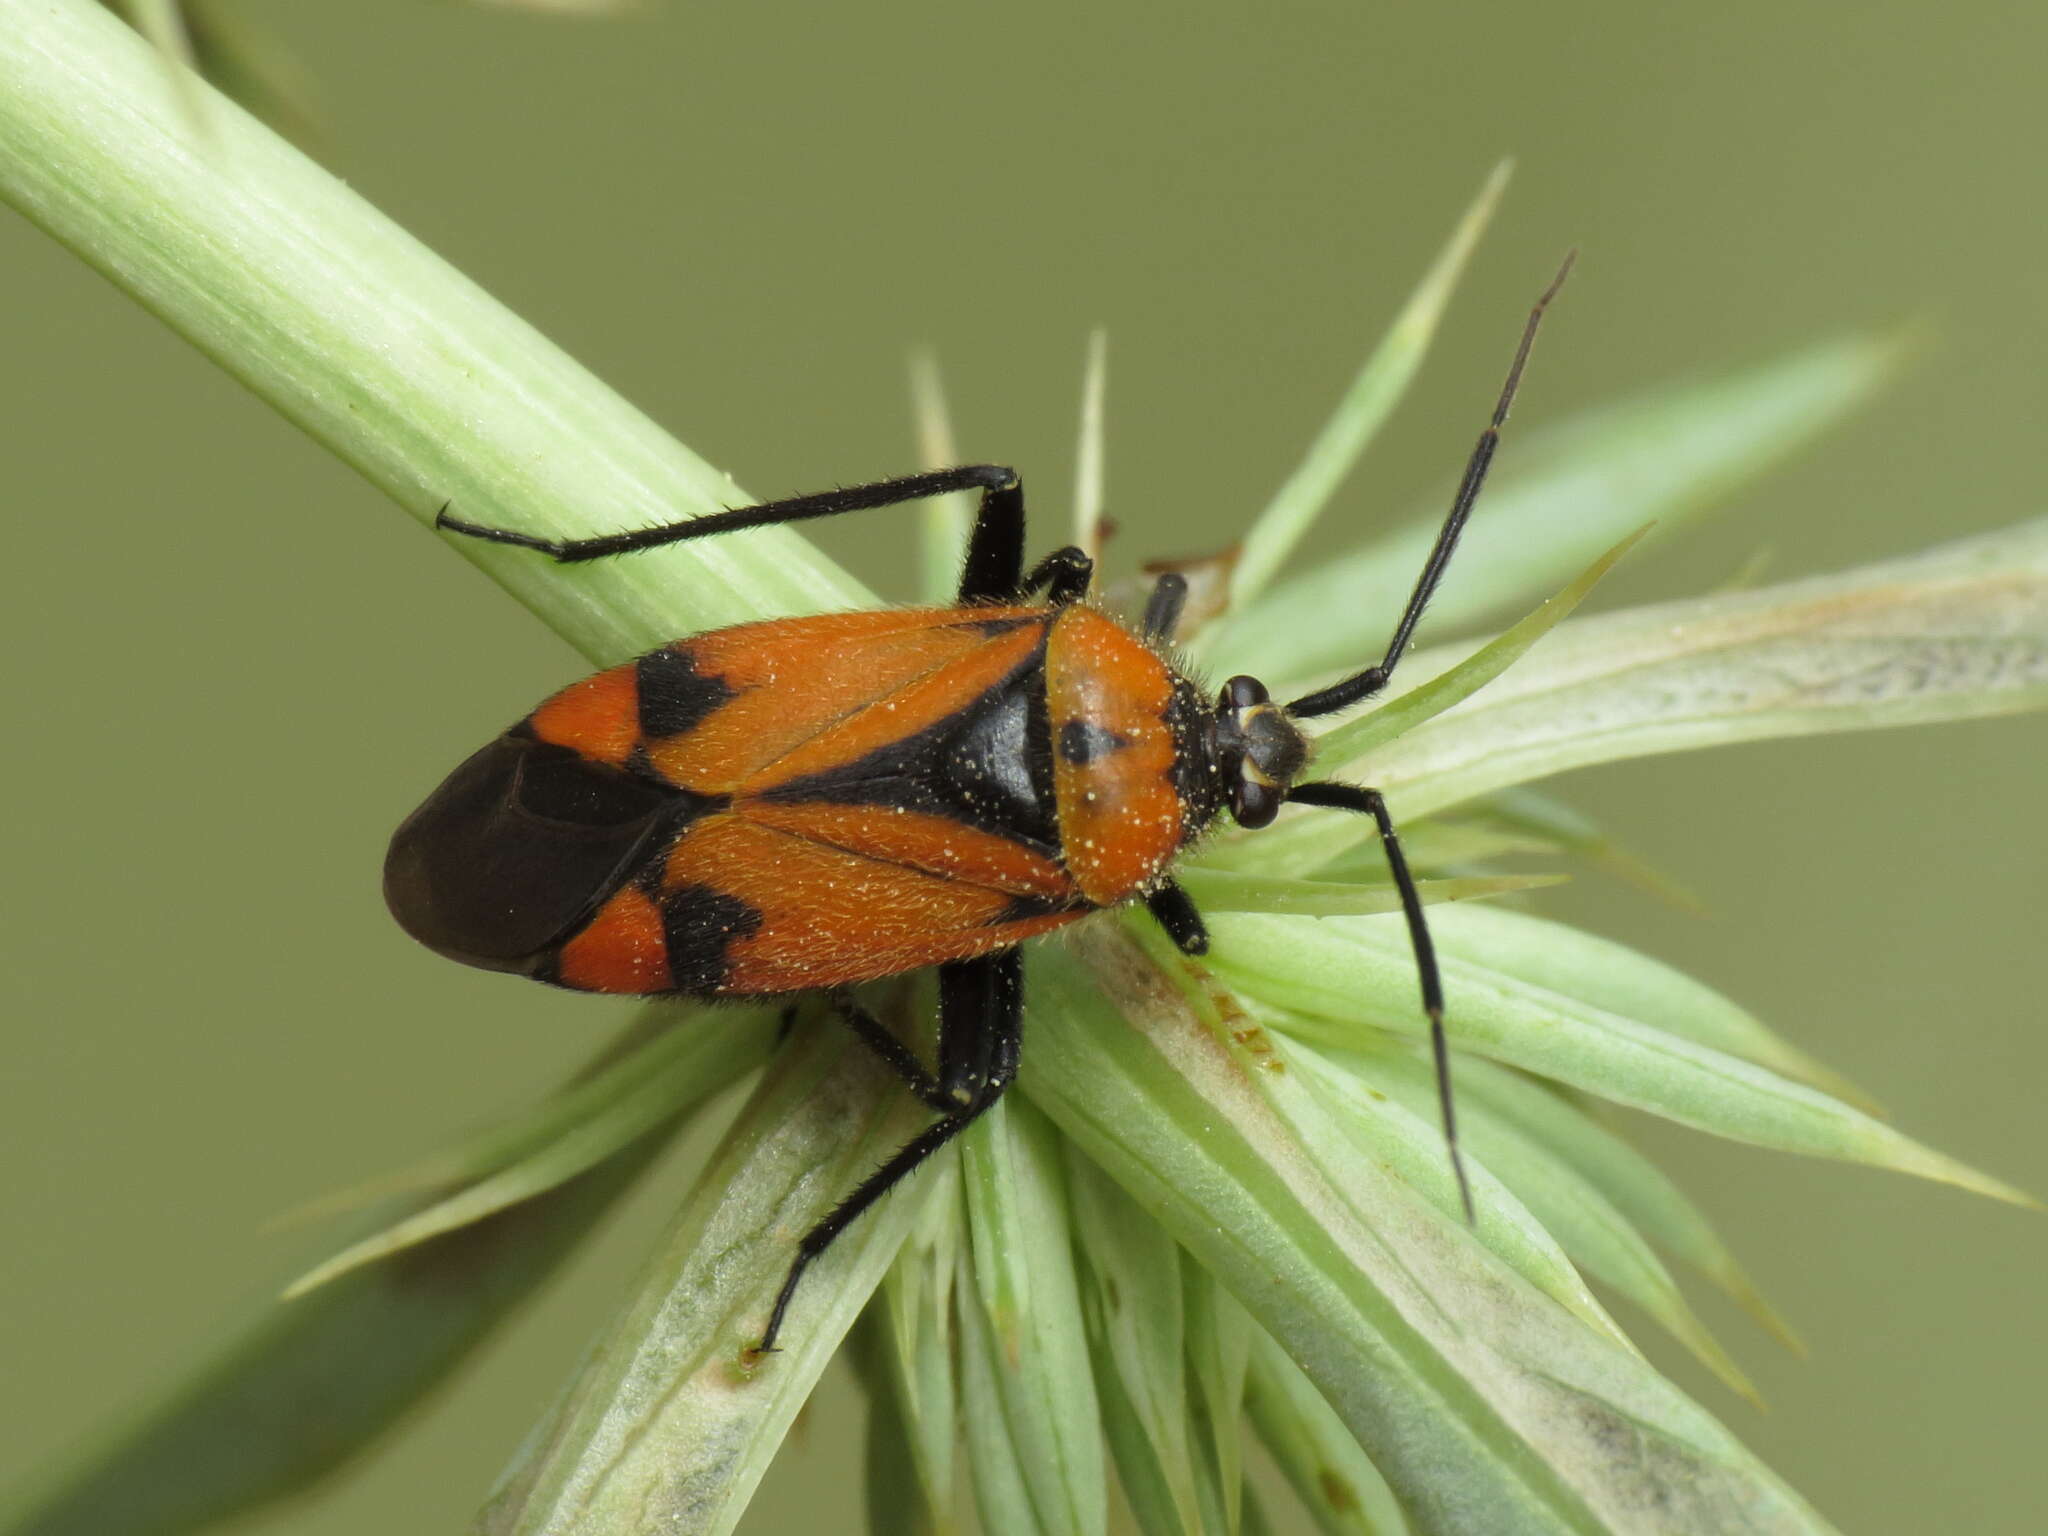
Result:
x=1337 y=1490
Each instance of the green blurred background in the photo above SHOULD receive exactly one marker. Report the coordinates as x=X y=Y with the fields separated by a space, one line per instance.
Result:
x=234 y=668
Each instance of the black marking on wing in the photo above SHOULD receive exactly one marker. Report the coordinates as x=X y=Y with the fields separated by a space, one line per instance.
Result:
x=1023 y=908
x=700 y=924
x=674 y=696
x=989 y=764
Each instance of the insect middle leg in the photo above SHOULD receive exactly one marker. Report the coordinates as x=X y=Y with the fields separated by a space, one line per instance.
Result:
x=981 y=1020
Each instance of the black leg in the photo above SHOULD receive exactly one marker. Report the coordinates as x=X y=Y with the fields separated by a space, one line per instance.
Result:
x=981 y=1021
x=894 y=1054
x=1175 y=912
x=1162 y=609
x=995 y=550
x=1351 y=797
x=1065 y=574
x=1364 y=685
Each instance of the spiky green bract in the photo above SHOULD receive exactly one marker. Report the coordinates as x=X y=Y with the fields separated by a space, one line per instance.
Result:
x=1033 y=1427
x=298 y=1388
x=673 y=1420
x=579 y=1128
x=1558 y=496
x=1485 y=1404
x=1380 y=384
x=1954 y=633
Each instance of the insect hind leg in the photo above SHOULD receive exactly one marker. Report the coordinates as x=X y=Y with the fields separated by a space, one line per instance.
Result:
x=993 y=570
x=981 y=1017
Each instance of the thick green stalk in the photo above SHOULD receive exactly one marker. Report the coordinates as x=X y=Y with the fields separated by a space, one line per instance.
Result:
x=364 y=337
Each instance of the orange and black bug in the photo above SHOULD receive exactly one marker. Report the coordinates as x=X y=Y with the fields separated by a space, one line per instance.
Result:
x=802 y=805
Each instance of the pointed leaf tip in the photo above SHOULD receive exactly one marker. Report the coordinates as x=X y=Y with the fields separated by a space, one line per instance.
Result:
x=1377 y=389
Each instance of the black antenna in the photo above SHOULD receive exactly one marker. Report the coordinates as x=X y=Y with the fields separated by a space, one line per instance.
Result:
x=1363 y=685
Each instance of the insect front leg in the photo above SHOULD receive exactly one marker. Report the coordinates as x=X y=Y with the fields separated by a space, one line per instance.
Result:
x=1175 y=911
x=1369 y=802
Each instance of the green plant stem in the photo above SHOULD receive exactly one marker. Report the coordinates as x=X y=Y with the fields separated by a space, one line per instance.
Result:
x=364 y=337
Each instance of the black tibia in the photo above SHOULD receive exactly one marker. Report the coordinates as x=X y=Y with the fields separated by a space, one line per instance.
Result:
x=1174 y=911
x=993 y=570
x=981 y=1019
x=1162 y=609
x=1363 y=685
x=894 y=1054
x=1352 y=797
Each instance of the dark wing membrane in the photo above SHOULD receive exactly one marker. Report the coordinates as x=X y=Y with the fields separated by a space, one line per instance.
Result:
x=519 y=847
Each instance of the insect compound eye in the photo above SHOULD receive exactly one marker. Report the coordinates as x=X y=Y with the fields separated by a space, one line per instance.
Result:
x=1255 y=804
x=1242 y=692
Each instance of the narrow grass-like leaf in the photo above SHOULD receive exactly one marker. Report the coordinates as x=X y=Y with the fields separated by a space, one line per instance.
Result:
x=1002 y=1491
x=1485 y=1405
x=916 y=1317
x=1131 y=1269
x=1464 y=839
x=897 y=1501
x=1256 y=1521
x=1560 y=958
x=1335 y=1480
x=1365 y=407
x=249 y=64
x=1557 y=498
x=1362 y=970
x=942 y=538
x=1225 y=890
x=163 y=23
x=1510 y=821
x=673 y=1419
x=1628 y=1180
x=1552 y=824
x=1354 y=1133
x=1139 y=1475
x=1447 y=842
x=372 y=344
x=1027 y=1304
x=1219 y=1355
x=663 y=1035
x=298 y=1389
x=1955 y=633
x=1402 y=713
x=675 y=1074
x=1593 y=1234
